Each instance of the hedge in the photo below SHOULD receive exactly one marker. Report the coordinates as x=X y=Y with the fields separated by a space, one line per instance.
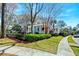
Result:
x=19 y=36
x=36 y=37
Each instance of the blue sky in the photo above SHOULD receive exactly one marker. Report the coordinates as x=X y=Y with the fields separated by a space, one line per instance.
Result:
x=70 y=13
x=20 y=9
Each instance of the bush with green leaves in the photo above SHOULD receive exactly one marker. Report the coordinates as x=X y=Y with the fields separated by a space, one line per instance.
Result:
x=15 y=31
x=19 y=36
x=64 y=32
x=16 y=28
x=36 y=37
x=55 y=34
x=11 y=33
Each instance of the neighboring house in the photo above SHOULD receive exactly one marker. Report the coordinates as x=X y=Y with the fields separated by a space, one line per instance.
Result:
x=41 y=26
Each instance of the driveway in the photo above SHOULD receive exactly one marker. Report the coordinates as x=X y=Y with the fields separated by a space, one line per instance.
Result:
x=22 y=51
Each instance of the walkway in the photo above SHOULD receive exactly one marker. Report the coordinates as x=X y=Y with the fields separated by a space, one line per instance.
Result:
x=22 y=51
x=64 y=48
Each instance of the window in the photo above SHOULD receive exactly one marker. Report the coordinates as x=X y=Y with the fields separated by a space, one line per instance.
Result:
x=38 y=29
x=43 y=28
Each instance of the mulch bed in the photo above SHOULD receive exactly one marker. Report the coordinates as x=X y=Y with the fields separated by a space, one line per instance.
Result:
x=19 y=40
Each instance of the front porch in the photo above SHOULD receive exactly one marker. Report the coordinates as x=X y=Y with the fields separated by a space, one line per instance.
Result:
x=39 y=28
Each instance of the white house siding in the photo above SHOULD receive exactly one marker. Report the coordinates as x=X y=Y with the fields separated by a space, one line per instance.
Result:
x=39 y=24
x=38 y=28
x=29 y=29
x=35 y=28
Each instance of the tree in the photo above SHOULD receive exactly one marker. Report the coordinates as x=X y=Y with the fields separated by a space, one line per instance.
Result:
x=51 y=12
x=64 y=32
x=7 y=14
x=10 y=15
x=77 y=25
x=70 y=30
x=61 y=23
x=0 y=8
x=74 y=29
x=33 y=9
x=23 y=20
x=53 y=22
x=2 y=20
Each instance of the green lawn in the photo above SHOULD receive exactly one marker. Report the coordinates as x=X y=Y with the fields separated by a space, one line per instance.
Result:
x=48 y=45
x=70 y=39
x=74 y=48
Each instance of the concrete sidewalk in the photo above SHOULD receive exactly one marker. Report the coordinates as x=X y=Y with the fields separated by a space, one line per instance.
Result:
x=64 y=48
x=22 y=51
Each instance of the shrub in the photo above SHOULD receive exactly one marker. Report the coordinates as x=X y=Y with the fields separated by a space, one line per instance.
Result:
x=15 y=31
x=36 y=33
x=64 y=34
x=16 y=28
x=19 y=36
x=36 y=37
x=11 y=34
x=55 y=34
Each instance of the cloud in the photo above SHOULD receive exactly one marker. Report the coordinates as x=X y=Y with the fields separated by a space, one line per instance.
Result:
x=70 y=17
x=67 y=12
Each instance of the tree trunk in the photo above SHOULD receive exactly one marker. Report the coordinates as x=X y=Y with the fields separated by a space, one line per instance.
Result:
x=32 y=28
x=53 y=28
x=2 y=21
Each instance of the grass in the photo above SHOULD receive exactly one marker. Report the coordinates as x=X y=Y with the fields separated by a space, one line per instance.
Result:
x=70 y=40
x=6 y=41
x=48 y=45
x=74 y=48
